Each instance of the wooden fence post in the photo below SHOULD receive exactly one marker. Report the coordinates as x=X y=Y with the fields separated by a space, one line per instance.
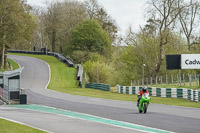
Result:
x=177 y=80
x=156 y=80
x=196 y=79
x=172 y=79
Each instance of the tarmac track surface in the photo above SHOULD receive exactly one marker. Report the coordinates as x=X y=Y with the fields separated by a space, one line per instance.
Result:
x=35 y=77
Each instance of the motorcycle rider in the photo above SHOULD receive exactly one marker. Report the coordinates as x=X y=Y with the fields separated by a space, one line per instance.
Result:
x=140 y=93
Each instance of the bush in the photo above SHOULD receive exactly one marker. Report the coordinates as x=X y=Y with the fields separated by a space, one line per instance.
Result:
x=98 y=72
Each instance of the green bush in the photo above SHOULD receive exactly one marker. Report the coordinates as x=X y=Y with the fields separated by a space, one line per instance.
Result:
x=98 y=72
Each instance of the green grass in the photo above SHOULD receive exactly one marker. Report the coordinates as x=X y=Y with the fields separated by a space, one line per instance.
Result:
x=13 y=64
x=63 y=80
x=62 y=77
x=11 y=127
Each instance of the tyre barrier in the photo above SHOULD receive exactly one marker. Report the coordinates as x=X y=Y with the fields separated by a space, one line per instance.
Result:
x=183 y=93
x=103 y=87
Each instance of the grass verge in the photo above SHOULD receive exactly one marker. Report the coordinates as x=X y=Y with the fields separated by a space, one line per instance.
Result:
x=13 y=64
x=11 y=127
x=63 y=80
x=61 y=76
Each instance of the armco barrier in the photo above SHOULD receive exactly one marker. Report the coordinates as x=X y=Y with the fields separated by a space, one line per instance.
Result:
x=193 y=95
x=103 y=87
x=60 y=57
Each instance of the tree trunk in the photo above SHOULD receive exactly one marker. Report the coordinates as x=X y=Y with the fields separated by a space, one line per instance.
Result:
x=188 y=42
x=53 y=41
x=3 y=53
x=160 y=59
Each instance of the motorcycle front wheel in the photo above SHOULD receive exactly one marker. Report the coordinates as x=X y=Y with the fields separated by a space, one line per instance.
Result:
x=145 y=108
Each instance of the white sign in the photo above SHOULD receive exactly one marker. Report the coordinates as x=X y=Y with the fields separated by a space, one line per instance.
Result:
x=190 y=61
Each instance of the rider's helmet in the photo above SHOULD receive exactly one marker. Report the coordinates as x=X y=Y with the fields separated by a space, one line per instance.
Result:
x=144 y=89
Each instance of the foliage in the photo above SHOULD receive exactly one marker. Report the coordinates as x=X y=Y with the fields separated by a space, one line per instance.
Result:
x=57 y=22
x=16 y=24
x=90 y=37
x=97 y=12
x=98 y=72
x=144 y=49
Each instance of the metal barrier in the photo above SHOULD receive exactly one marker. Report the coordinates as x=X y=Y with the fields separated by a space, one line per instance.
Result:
x=60 y=57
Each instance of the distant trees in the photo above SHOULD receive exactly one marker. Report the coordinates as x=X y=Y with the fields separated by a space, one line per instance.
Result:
x=16 y=23
x=170 y=29
x=58 y=21
x=164 y=13
x=189 y=19
x=61 y=17
x=97 y=12
x=90 y=37
x=86 y=32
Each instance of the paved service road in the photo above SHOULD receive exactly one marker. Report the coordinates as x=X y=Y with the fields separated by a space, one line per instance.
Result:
x=171 y=118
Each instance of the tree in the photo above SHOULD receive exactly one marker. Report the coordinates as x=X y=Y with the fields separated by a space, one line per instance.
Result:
x=144 y=48
x=164 y=13
x=58 y=21
x=98 y=72
x=90 y=37
x=16 y=23
x=97 y=12
x=188 y=19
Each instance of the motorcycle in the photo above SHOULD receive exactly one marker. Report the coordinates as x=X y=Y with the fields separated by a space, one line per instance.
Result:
x=144 y=103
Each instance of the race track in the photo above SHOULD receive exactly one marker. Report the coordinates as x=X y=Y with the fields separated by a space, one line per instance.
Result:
x=35 y=77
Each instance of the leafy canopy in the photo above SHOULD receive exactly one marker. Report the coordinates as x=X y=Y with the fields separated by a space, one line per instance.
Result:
x=89 y=36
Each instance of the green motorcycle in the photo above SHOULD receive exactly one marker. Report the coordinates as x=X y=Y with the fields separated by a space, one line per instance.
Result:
x=144 y=102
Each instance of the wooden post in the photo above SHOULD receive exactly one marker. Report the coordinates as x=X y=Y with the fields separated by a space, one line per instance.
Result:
x=151 y=80
x=183 y=79
x=156 y=80
x=161 y=80
x=147 y=82
x=172 y=79
x=196 y=79
x=190 y=79
x=177 y=80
